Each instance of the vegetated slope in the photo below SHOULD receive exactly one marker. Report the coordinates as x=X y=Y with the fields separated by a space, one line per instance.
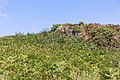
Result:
x=50 y=56
x=107 y=35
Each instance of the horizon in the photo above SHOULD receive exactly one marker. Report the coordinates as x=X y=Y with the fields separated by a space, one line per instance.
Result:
x=33 y=16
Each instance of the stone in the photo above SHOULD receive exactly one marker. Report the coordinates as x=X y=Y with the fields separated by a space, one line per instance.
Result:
x=69 y=31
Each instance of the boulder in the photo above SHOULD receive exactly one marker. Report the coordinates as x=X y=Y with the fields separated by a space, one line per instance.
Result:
x=69 y=31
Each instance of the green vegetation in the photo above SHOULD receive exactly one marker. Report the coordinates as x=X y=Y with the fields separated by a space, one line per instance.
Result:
x=77 y=29
x=51 y=56
x=55 y=26
x=103 y=37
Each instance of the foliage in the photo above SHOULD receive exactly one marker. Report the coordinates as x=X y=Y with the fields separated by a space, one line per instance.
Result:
x=81 y=23
x=50 y=56
x=77 y=29
x=55 y=26
x=103 y=37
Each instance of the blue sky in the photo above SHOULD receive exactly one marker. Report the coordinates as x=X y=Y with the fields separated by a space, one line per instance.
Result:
x=34 y=15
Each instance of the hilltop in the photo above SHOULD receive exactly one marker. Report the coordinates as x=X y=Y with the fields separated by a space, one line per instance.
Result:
x=107 y=35
x=66 y=52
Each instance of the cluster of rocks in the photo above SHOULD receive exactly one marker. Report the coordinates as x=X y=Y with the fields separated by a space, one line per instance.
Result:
x=68 y=29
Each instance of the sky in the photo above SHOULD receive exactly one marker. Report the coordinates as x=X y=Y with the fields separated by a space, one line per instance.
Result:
x=33 y=16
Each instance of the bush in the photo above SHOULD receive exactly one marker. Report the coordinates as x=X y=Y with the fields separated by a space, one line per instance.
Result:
x=55 y=26
x=76 y=29
x=102 y=36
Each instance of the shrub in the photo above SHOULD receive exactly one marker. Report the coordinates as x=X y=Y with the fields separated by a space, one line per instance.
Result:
x=55 y=26
x=77 y=29
x=101 y=36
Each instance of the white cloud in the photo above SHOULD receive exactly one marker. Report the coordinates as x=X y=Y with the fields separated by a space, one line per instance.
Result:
x=3 y=3
x=4 y=15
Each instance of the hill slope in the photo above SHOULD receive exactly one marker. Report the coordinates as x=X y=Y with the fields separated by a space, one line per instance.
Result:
x=50 y=56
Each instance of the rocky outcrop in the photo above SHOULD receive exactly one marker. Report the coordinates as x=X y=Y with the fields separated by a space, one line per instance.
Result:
x=102 y=35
